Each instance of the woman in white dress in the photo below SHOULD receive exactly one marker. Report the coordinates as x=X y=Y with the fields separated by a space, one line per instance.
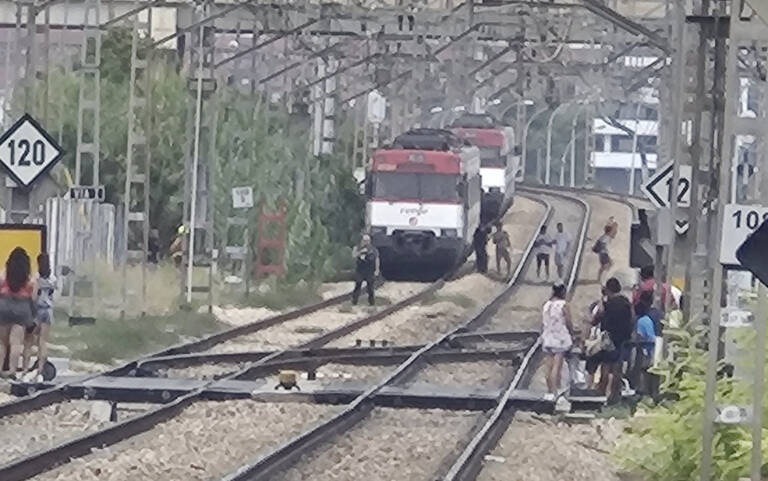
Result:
x=556 y=335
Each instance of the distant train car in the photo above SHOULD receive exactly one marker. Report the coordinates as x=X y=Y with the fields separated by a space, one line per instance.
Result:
x=423 y=204
x=498 y=162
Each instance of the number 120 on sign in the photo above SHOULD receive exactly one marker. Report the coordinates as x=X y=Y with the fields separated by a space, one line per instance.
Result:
x=19 y=153
x=738 y=222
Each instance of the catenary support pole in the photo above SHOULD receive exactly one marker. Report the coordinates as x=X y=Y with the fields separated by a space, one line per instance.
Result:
x=195 y=163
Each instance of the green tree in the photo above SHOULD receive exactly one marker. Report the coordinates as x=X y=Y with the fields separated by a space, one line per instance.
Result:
x=257 y=144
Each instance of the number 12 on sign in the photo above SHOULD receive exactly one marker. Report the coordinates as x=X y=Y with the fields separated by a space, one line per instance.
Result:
x=22 y=149
x=683 y=186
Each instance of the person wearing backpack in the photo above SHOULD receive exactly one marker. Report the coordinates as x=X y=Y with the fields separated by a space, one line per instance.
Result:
x=601 y=249
x=366 y=266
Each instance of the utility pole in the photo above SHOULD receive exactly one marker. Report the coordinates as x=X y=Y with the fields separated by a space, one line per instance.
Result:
x=745 y=32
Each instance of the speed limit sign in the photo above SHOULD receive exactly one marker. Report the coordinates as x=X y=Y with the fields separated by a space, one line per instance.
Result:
x=738 y=222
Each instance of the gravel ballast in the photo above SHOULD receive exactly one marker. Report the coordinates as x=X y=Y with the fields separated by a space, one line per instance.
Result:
x=203 y=371
x=390 y=444
x=205 y=442
x=538 y=448
x=422 y=323
x=347 y=372
x=5 y=397
x=23 y=434
x=304 y=329
x=477 y=374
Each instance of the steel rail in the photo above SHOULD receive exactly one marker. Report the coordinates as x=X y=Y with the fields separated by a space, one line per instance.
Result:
x=461 y=340
x=58 y=393
x=23 y=468
x=469 y=462
x=268 y=465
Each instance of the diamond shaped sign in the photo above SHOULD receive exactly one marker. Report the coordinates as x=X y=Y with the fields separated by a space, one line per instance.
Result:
x=27 y=151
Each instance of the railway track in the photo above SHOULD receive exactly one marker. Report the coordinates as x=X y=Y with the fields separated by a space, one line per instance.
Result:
x=436 y=437
x=414 y=320
x=462 y=354
x=25 y=467
x=521 y=445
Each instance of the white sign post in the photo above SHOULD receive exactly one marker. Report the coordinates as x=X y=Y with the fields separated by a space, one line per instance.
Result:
x=242 y=197
x=27 y=151
x=738 y=222
x=659 y=190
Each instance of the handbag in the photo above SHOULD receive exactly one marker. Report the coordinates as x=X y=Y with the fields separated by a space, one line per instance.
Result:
x=592 y=344
x=601 y=342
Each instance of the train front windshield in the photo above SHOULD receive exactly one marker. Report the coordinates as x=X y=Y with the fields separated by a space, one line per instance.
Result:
x=491 y=157
x=418 y=187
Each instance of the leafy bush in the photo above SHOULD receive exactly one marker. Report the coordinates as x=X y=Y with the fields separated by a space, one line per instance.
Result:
x=258 y=144
x=664 y=443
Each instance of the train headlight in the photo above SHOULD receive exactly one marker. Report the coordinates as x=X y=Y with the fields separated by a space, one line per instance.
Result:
x=376 y=230
x=449 y=232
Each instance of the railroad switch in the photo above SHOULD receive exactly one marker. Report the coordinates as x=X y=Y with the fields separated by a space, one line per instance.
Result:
x=287 y=380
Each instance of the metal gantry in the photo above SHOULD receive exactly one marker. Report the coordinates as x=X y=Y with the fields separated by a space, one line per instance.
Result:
x=87 y=156
x=136 y=202
x=198 y=208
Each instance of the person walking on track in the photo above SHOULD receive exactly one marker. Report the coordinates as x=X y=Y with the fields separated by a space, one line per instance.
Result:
x=612 y=227
x=562 y=247
x=541 y=247
x=480 y=241
x=366 y=267
x=502 y=243
x=556 y=335
x=601 y=249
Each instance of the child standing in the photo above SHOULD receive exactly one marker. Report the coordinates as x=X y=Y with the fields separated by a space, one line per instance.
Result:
x=46 y=286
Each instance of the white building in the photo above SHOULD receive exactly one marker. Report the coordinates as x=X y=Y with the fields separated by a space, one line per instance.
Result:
x=616 y=151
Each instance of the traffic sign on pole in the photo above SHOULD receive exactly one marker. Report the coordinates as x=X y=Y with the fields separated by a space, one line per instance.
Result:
x=739 y=221
x=659 y=192
x=242 y=197
x=27 y=151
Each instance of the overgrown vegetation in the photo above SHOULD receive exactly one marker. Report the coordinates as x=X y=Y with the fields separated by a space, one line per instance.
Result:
x=664 y=443
x=109 y=341
x=258 y=144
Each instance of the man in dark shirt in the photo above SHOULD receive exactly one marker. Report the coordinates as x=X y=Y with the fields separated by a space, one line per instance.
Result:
x=615 y=318
x=366 y=266
x=480 y=240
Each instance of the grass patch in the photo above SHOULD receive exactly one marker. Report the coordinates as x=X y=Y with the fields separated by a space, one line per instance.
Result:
x=110 y=340
x=272 y=294
x=618 y=411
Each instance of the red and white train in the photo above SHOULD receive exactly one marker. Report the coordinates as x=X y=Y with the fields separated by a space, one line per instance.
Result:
x=423 y=202
x=498 y=161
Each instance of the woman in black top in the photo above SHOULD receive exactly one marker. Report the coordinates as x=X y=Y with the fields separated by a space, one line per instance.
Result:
x=615 y=318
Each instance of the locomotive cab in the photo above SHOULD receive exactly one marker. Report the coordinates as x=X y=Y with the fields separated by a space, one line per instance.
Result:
x=423 y=201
